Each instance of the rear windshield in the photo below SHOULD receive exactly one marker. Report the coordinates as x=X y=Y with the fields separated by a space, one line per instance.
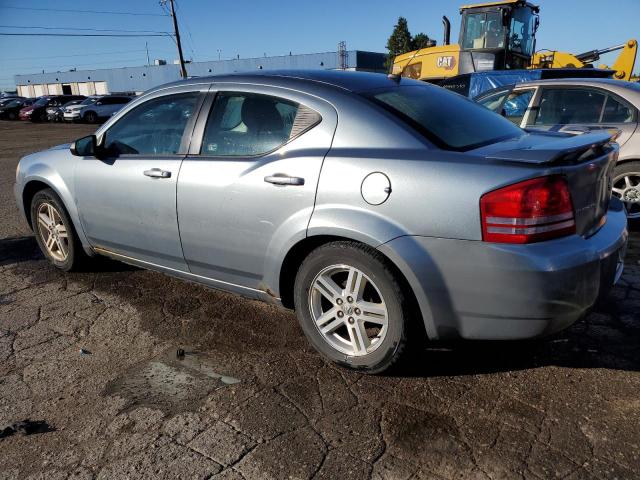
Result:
x=447 y=119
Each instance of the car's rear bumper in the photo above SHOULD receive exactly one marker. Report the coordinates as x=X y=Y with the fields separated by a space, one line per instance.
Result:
x=479 y=290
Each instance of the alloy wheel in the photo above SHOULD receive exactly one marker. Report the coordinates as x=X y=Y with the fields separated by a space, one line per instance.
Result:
x=627 y=188
x=348 y=310
x=53 y=232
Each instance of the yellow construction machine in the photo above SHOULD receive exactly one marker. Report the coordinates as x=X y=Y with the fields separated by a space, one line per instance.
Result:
x=500 y=35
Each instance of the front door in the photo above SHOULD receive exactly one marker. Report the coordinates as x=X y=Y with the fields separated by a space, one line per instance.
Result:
x=127 y=201
x=248 y=187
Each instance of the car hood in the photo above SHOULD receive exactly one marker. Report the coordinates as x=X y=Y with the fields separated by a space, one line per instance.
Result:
x=542 y=147
x=64 y=146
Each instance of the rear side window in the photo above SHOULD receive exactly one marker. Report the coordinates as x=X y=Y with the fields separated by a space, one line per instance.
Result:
x=448 y=119
x=616 y=111
x=247 y=124
x=562 y=106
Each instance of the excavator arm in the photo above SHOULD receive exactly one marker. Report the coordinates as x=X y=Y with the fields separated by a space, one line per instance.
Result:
x=623 y=65
x=626 y=61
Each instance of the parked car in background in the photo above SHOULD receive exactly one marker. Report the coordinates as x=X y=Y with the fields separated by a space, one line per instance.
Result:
x=25 y=111
x=95 y=108
x=578 y=106
x=5 y=100
x=11 y=109
x=39 y=112
x=55 y=114
x=331 y=193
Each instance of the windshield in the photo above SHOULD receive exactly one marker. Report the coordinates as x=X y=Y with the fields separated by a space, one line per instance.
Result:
x=41 y=102
x=521 y=38
x=89 y=101
x=448 y=119
x=13 y=103
x=483 y=30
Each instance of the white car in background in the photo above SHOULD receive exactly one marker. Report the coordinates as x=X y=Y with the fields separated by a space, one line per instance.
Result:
x=95 y=108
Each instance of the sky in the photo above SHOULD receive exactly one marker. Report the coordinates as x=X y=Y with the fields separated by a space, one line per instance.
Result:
x=211 y=29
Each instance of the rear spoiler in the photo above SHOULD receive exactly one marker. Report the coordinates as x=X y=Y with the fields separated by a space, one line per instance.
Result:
x=566 y=149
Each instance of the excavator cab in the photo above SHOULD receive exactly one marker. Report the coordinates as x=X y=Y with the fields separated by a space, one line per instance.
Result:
x=497 y=35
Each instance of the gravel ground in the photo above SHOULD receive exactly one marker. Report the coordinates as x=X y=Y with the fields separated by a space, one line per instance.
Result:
x=251 y=400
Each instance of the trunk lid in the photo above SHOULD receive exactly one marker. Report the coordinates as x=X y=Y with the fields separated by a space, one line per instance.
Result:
x=587 y=161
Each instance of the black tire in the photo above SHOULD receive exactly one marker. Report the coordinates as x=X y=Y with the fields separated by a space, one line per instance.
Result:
x=629 y=169
x=12 y=116
x=90 y=117
x=76 y=257
x=393 y=346
x=39 y=117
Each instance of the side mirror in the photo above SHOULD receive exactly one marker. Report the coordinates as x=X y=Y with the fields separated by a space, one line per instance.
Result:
x=87 y=147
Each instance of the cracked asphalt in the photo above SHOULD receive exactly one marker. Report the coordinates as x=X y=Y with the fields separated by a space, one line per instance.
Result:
x=251 y=400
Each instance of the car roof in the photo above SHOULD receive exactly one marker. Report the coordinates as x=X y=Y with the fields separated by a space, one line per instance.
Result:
x=345 y=80
x=609 y=83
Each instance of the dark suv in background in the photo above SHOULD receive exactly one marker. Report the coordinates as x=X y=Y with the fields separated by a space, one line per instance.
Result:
x=39 y=111
x=10 y=109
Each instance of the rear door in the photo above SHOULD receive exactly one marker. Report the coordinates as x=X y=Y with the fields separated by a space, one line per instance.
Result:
x=247 y=188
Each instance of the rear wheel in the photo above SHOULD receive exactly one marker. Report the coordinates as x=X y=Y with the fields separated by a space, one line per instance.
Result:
x=626 y=186
x=54 y=231
x=12 y=116
x=351 y=306
x=90 y=117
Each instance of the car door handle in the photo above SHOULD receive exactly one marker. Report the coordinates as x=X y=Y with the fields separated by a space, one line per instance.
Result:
x=283 y=179
x=157 y=173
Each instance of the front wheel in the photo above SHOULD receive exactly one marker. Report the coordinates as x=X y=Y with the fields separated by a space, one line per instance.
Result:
x=54 y=231
x=90 y=117
x=351 y=306
x=626 y=186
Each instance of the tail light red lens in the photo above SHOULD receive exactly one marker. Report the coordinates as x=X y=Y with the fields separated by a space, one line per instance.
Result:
x=530 y=211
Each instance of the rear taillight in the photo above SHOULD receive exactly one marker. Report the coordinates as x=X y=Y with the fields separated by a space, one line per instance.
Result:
x=530 y=211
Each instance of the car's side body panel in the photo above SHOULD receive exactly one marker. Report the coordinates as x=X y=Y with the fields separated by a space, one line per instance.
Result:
x=53 y=167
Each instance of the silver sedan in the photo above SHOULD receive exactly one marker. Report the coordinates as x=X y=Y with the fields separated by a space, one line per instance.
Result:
x=385 y=211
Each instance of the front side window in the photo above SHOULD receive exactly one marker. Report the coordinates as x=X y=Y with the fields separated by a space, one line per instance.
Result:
x=247 y=124
x=516 y=105
x=153 y=128
x=448 y=119
x=563 y=106
x=483 y=30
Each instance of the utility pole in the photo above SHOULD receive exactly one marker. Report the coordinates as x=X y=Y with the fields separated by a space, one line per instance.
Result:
x=146 y=45
x=183 y=70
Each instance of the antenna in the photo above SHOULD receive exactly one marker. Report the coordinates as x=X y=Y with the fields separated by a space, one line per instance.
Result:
x=343 y=56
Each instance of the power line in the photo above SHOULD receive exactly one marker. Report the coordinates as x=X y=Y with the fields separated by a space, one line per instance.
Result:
x=83 y=29
x=93 y=54
x=73 y=55
x=88 y=11
x=83 y=34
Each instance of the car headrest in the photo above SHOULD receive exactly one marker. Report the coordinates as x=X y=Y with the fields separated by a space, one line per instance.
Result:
x=261 y=114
